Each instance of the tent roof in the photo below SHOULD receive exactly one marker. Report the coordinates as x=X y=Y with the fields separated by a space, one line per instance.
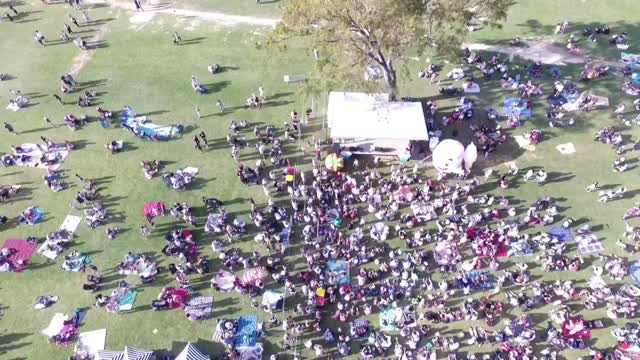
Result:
x=129 y=353
x=191 y=352
x=373 y=116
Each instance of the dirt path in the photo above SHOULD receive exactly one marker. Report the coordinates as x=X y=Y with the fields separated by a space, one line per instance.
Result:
x=155 y=7
x=540 y=49
x=86 y=55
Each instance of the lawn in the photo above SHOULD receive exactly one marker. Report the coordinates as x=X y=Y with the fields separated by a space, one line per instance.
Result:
x=138 y=66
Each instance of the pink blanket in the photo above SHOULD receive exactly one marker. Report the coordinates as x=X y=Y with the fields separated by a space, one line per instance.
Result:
x=154 y=209
x=23 y=253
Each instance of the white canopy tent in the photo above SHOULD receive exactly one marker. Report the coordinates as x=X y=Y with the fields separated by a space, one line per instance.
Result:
x=191 y=352
x=129 y=353
x=373 y=116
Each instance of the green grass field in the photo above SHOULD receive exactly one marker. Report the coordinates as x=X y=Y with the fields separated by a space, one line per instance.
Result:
x=137 y=65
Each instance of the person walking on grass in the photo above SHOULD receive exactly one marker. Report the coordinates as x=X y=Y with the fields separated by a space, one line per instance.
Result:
x=198 y=113
x=196 y=143
x=176 y=38
x=58 y=98
x=203 y=136
x=74 y=21
x=15 y=12
x=87 y=18
x=49 y=123
x=67 y=29
x=10 y=128
x=220 y=105
x=40 y=38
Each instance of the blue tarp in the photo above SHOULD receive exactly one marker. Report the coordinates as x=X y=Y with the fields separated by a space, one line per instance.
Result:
x=141 y=127
x=562 y=233
x=634 y=271
x=338 y=272
x=388 y=317
x=513 y=105
x=247 y=334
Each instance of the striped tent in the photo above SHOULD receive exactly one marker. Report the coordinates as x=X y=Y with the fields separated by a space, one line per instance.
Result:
x=129 y=353
x=191 y=352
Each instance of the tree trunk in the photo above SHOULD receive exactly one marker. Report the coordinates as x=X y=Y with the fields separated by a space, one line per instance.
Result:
x=392 y=82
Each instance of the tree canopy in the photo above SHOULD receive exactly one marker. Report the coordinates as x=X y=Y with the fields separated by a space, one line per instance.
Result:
x=356 y=39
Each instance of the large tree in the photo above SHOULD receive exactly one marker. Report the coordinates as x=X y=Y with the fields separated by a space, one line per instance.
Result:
x=357 y=37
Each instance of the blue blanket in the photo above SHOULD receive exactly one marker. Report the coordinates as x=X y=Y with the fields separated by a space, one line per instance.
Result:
x=247 y=334
x=388 y=317
x=634 y=271
x=513 y=105
x=562 y=233
x=338 y=272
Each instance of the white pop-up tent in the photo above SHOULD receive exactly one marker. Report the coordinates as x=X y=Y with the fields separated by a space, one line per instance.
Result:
x=373 y=116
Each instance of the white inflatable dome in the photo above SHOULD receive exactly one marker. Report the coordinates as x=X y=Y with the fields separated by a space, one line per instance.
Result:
x=448 y=156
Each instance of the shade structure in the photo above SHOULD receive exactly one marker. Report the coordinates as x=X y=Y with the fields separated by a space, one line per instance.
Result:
x=191 y=352
x=334 y=162
x=373 y=116
x=129 y=353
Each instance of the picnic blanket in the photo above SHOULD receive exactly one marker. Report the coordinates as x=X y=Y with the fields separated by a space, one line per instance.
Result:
x=387 y=318
x=560 y=232
x=71 y=223
x=76 y=263
x=55 y=325
x=225 y=280
x=23 y=252
x=247 y=333
x=589 y=243
x=34 y=216
x=143 y=127
x=251 y=352
x=272 y=299
x=513 y=105
x=338 y=272
x=199 y=307
x=630 y=59
x=481 y=285
x=126 y=301
x=90 y=343
x=32 y=155
x=634 y=271
x=474 y=88
x=521 y=248
x=153 y=209
x=252 y=275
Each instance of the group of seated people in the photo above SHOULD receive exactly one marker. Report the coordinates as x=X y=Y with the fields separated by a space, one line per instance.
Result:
x=58 y=241
x=150 y=168
x=74 y=122
x=178 y=180
x=95 y=216
x=67 y=83
x=139 y=264
x=255 y=102
x=87 y=99
x=54 y=182
x=19 y=102
x=8 y=191
x=114 y=146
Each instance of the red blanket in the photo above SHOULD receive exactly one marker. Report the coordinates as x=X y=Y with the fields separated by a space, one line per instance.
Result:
x=23 y=251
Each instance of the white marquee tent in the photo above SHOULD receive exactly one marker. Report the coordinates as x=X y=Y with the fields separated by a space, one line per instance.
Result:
x=373 y=116
x=191 y=352
x=129 y=353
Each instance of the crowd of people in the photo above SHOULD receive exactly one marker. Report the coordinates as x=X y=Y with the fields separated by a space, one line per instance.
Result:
x=467 y=271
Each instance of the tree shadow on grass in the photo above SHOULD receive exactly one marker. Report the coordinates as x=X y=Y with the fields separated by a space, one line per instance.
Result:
x=11 y=341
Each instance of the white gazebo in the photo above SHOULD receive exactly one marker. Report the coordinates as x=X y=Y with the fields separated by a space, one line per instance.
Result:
x=191 y=352
x=372 y=124
x=129 y=353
